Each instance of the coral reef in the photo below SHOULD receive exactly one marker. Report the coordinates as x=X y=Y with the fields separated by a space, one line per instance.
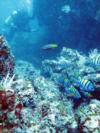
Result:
x=25 y=70
x=10 y=108
x=51 y=112
x=89 y=117
x=72 y=67
x=43 y=101
x=6 y=59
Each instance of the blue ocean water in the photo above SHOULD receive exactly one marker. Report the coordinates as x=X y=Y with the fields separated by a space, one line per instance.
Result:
x=50 y=66
x=30 y=24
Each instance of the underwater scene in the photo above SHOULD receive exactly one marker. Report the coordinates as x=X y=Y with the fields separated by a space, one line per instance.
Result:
x=49 y=66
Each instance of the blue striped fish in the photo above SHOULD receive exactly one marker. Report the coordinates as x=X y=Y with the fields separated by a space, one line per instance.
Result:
x=95 y=61
x=86 y=85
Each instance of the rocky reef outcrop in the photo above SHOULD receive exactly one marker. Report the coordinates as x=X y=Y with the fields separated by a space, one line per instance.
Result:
x=44 y=100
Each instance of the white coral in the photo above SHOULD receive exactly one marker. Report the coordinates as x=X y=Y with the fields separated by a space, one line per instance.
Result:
x=7 y=82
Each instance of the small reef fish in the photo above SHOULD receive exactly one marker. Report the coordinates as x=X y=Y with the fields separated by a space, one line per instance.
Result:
x=50 y=46
x=82 y=89
x=96 y=60
x=86 y=85
x=72 y=92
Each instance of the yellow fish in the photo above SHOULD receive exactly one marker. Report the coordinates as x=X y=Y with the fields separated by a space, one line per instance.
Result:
x=50 y=46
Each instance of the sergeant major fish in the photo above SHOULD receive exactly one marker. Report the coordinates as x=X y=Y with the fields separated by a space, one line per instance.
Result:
x=86 y=85
x=96 y=60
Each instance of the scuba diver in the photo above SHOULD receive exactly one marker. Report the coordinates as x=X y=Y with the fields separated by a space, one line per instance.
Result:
x=70 y=22
x=18 y=21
